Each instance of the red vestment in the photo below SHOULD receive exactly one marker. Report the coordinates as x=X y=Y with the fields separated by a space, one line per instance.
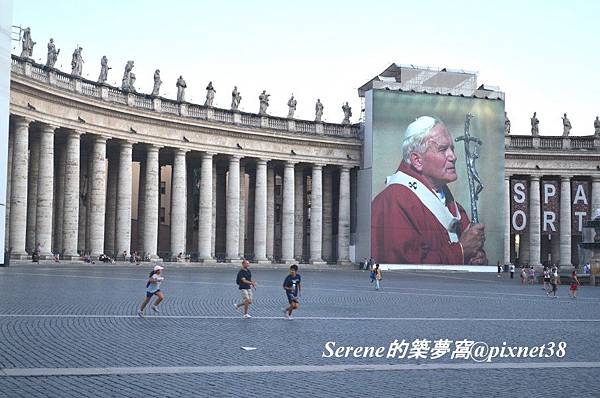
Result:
x=405 y=231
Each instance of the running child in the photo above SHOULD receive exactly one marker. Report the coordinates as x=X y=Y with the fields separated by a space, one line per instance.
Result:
x=153 y=288
x=292 y=287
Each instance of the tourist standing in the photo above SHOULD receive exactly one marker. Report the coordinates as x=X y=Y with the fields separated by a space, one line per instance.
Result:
x=499 y=269
x=292 y=287
x=377 y=272
x=523 y=275
x=531 y=275
x=245 y=285
x=155 y=279
x=574 y=285
x=512 y=271
x=553 y=282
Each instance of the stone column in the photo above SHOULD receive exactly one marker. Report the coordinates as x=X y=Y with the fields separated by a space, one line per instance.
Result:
x=205 y=216
x=260 y=213
x=287 y=222
x=34 y=166
x=70 y=221
x=344 y=217
x=45 y=192
x=124 y=193
x=151 y=203
x=190 y=206
x=327 y=215
x=565 y=221
x=111 y=206
x=84 y=192
x=18 y=192
x=298 y=213
x=213 y=233
x=233 y=209
x=59 y=200
x=507 y=220
x=141 y=207
x=8 y=188
x=270 y=212
x=243 y=216
x=97 y=210
x=178 y=203
x=595 y=194
x=316 y=216
x=534 y=221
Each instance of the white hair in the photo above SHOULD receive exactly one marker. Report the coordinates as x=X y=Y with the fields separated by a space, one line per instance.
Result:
x=415 y=137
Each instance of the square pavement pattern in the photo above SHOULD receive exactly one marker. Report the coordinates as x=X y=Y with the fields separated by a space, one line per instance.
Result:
x=71 y=331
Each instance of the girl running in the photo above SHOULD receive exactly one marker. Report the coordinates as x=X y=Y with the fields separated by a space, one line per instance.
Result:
x=153 y=288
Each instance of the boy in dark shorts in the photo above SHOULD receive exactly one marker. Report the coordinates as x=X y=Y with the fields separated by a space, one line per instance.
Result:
x=292 y=288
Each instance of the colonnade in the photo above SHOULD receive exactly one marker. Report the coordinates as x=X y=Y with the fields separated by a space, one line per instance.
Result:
x=63 y=198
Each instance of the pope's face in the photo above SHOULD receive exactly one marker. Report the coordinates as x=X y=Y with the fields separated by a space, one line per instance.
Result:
x=438 y=161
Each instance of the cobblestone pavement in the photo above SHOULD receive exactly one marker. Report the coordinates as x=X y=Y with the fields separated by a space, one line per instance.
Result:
x=71 y=331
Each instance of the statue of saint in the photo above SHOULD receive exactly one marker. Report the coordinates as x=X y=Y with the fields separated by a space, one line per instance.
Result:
x=28 y=44
x=103 y=70
x=292 y=107
x=318 y=110
x=52 y=54
x=210 y=94
x=181 y=86
x=566 y=125
x=132 y=82
x=597 y=127
x=157 y=83
x=77 y=62
x=535 y=125
x=347 y=113
x=506 y=124
x=264 y=102
x=236 y=97
x=126 y=82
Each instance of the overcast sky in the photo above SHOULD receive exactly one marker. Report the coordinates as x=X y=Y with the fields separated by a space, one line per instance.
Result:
x=543 y=54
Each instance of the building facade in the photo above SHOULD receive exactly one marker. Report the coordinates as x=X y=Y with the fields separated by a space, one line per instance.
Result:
x=96 y=169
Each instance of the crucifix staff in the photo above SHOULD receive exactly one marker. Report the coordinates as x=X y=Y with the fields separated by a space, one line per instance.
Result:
x=472 y=145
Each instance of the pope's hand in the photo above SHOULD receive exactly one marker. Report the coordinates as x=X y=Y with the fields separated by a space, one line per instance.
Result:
x=472 y=240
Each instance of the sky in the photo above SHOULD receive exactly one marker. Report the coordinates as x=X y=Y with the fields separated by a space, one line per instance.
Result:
x=542 y=54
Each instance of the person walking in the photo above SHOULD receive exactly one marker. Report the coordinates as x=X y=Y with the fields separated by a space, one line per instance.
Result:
x=155 y=279
x=292 y=287
x=245 y=285
x=531 y=275
x=499 y=269
x=574 y=285
x=377 y=272
x=546 y=278
x=512 y=271
x=553 y=283
x=523 y=276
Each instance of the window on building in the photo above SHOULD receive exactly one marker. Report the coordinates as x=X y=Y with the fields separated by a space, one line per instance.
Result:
x=161 y=214
x=163 y=187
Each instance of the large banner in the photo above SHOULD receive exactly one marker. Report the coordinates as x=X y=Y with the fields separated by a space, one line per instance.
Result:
x=550 y=207
x=519 y=203
x=581 y=210
x=422 y=207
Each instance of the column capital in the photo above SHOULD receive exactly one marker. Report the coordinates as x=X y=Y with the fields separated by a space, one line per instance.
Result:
x=318 y=165
x=126 y=144
x=261 y=161
x=289 y=164
x=346 y=168
x=152 y=148
x=596 y=178
x=100 y=138
x=534 y=178
x=565 y=178
x=48 y=128
x=235 y=157
x=74 y=133
x=22 y=121
x=208 y=155
x=181 y=151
